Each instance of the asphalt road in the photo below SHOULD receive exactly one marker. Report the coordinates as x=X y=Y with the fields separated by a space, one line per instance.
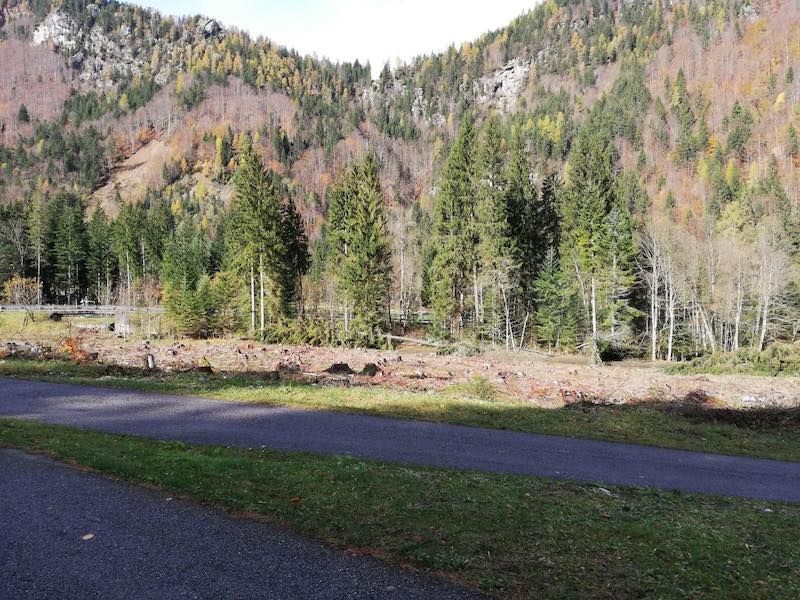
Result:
x=201 y=421
x=145 y=545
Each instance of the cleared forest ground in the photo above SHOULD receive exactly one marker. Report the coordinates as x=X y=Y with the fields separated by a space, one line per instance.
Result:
x=520 y=377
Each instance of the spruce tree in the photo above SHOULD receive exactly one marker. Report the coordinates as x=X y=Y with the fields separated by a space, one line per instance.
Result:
x=70 y=250
x=22 y=114
x=257 y=210
x=497 y=267
x=37 y=229
x=296 y=260
x=554 y=320
x=185 y=279
x=619 y=275
x=588 y=199
x=522 y=220
x=454 y=233
x=100 y=258
x=362 y=249
x=126 y=241
x=792 y=142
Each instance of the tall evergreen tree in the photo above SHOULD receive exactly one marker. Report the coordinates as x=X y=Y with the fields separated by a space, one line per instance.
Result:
x=296 y=260
x=126 y=241
x=70 y=250
x=554 y=318
x=363 y=251
x=497 y=266
x=100 y=260
x=792 y=142
x=596 y=248
x=37 y=229
x=454 y=233
x=262 y=251
x=533 y=217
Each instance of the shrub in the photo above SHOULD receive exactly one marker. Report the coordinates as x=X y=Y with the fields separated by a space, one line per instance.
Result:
x=478 y=388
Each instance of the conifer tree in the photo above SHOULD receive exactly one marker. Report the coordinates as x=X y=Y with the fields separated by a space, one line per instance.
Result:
x=37 y=229
x=261 y=248
x=362 y=249
x=497 y=252
x=22 y=114
x=792 y=142
x=620 y=268
x=533 y=217
x=591 y=216
x=70 y=249
x=100 y=256
x=522 y=221
x=158 y=223
x=126 y=241
x=454 y=233
x=296 y=260
x=554 y=320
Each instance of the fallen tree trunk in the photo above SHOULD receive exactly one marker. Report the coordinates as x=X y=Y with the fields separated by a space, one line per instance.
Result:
x=398 y=338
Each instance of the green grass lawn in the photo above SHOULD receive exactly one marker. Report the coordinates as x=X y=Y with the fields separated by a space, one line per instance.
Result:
x=768 y=433
x=505 y=535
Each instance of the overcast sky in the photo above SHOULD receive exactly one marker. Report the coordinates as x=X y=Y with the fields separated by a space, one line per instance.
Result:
x=343 y=30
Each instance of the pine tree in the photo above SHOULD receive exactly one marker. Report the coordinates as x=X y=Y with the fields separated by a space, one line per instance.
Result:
x=553 y=320
x=792 y=142
x=257 y=213
x=185 y=279
x=534 y=216
x=126 y=241
x=70 y=250
x=741 y=124
x=22 y=114
x=589 y=197
x=100 y=256
x=453 y=233
x=496 y=271
x=296 y=259
x=620 y=270
x=158 y=223
x=523 y=220
x=363 y=251
x=37 y=229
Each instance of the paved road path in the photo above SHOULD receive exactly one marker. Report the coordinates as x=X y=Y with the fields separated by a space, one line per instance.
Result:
x=200 y=421
x=145 y=545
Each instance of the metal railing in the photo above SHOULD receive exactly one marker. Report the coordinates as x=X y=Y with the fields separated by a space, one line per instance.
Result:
x=80 y=309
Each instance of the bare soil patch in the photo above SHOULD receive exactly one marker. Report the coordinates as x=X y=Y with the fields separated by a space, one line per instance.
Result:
x=522 y=377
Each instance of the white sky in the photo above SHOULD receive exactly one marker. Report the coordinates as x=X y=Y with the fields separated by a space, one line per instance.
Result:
x=343 y=30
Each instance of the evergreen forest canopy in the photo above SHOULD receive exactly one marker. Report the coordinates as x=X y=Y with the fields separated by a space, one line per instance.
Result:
x=604 y=198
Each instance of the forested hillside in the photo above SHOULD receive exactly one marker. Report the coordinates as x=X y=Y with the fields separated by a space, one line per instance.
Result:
x=616 y=177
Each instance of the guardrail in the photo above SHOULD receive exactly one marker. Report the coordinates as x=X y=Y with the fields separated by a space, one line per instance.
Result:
x=71 y=309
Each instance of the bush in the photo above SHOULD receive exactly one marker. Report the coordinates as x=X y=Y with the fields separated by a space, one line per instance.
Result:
x=464 y=349
x=477 y=388
x=303 y=331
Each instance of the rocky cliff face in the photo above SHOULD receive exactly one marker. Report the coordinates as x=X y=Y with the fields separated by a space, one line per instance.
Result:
x=101 y=59
x=57 y=30
x=502 y=89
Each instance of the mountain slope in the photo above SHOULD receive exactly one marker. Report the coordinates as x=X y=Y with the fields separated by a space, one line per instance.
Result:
x=700 y=96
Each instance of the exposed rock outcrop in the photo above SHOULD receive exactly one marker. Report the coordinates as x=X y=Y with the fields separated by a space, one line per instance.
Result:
x=502 y=88
x=56 y=29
